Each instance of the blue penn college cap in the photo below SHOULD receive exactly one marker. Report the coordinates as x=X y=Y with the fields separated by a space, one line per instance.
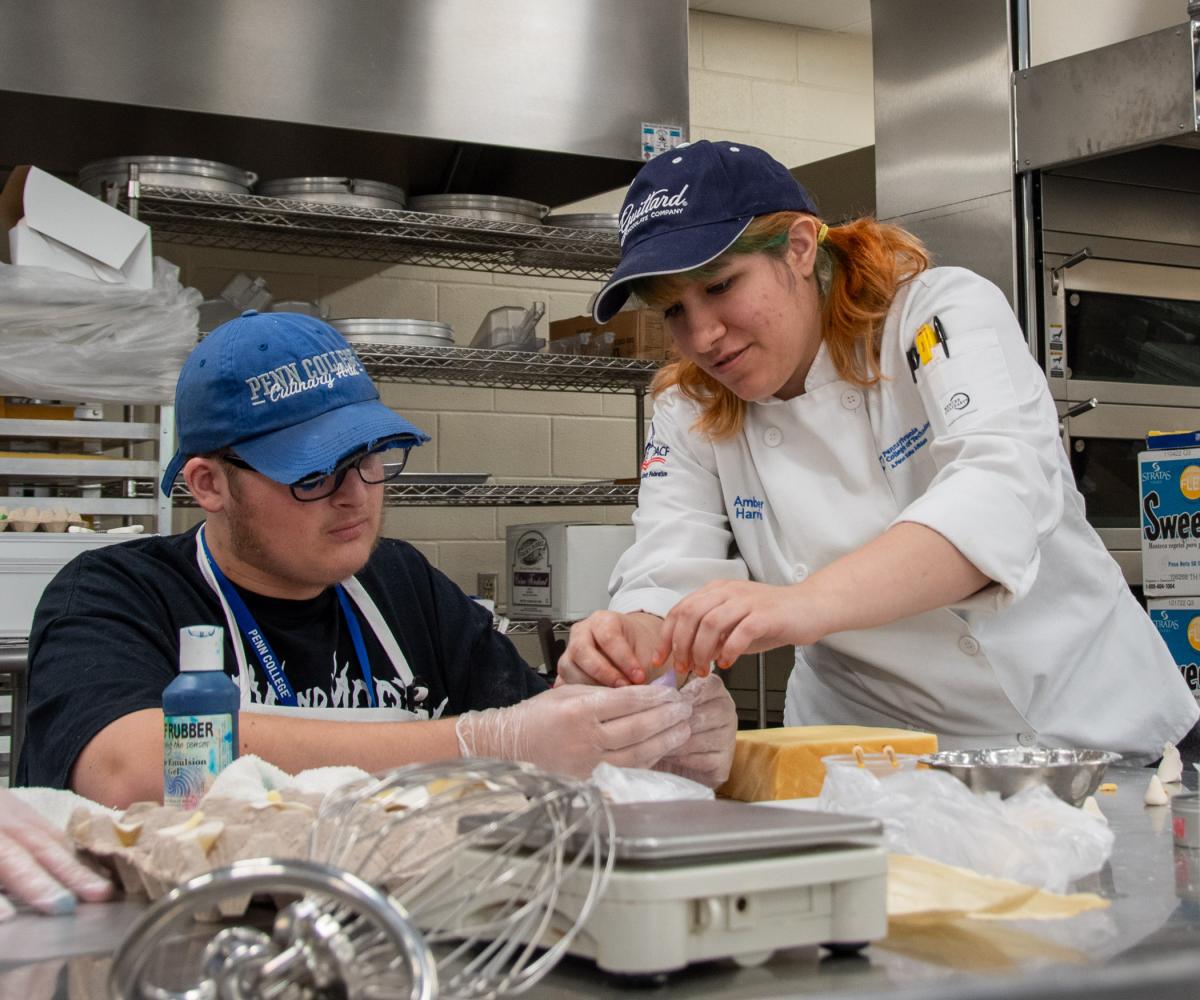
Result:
x=687 y=206
x=286 y=393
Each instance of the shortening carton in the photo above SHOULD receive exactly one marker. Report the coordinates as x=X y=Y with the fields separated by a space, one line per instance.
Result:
x=1170 y=496
x=561 y=570
x=1178 y=622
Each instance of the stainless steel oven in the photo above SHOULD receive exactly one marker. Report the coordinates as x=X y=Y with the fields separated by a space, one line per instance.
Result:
x=1124 y=332
x=1103 y=444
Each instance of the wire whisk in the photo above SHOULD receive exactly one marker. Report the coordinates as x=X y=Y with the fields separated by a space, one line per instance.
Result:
x=496 y=863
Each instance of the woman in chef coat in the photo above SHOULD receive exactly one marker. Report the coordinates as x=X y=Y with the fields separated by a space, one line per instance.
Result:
x=856 y=454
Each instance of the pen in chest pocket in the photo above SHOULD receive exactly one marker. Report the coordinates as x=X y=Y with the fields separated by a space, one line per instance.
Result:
x=929 y=346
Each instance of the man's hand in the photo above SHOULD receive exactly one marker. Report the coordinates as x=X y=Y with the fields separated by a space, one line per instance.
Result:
x=708 y=754
x=38 y=866
x=571 y=729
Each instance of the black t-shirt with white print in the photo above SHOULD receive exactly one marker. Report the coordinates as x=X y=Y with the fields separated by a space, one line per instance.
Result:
x=105 y=642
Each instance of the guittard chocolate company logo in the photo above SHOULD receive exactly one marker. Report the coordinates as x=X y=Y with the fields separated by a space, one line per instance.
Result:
x=655 y=205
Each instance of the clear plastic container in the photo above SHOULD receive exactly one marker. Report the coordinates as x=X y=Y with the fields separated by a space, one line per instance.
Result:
x=882 y=765
x=510 y=328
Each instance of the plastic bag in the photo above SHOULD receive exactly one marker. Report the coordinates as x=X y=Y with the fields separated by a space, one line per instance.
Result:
x=636 y=784
x=1033 y=837
x=65 y=337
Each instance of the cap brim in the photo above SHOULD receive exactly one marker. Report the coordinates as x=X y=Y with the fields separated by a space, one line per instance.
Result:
x=172 y=473
x=317 y=445
x=668 y=253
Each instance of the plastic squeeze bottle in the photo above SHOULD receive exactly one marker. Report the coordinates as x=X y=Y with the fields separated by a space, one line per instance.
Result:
x=200 y=717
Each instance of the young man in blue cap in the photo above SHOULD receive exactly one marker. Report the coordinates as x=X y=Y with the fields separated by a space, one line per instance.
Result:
x=285 y=446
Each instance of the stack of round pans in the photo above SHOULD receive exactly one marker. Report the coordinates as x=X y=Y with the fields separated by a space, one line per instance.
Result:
x=395 y=332
x=487 y=207
x=167 y=171
x=584 y=220
x=335 y=191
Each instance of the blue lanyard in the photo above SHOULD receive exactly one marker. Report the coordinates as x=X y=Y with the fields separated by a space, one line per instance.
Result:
x=359 y=646
x=284 y=692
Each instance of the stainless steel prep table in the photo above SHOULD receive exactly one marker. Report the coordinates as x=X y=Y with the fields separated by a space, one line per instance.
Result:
x=1147 y=945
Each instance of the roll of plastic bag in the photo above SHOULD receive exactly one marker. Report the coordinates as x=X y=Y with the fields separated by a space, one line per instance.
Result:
x=70 y=338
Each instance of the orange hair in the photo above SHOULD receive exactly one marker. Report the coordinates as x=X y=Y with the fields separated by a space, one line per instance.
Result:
x=860 y=266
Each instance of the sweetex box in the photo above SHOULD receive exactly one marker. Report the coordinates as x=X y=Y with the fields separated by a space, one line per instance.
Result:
x=1170 y=496
x=1178 y=622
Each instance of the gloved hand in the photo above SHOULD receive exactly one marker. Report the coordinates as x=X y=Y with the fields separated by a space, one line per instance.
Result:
x=571 y=729
x=708 y=754
x=38 y=865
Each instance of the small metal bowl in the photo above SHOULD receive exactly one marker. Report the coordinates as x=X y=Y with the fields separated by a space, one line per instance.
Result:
x=1072 y=775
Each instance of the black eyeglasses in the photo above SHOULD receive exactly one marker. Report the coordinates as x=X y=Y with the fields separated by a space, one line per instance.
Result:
x=373 y=468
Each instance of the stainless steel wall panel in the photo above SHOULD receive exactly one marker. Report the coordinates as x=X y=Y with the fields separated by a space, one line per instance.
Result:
x=942 y=109
x=979 y=234
x=1111 y=99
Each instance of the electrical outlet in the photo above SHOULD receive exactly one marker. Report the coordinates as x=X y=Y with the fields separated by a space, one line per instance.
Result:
x=487 y=585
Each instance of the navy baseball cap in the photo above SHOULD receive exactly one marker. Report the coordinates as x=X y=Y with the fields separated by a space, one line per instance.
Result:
x=687 y=206
x=286 y=393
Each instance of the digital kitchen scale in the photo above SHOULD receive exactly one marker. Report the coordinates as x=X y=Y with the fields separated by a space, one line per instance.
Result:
x=700 y=880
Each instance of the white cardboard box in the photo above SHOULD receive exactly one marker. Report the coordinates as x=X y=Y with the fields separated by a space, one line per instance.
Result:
x=1178 y=622
x=29 y=561
x=560 y=569
x=1170 y=495
x=52 y=224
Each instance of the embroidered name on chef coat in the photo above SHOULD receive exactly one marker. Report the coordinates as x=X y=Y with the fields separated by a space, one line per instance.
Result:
x=748 y=508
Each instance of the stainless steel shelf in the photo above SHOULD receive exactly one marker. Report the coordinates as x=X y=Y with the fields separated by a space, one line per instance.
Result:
x=83 y=430
x=528 y=626
x=90 y=469
x=485 y=495
x=284 y=225
x=505 y=369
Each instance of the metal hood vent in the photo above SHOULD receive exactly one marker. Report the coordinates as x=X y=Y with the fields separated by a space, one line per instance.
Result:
x=1103 y=102
x=536 y=99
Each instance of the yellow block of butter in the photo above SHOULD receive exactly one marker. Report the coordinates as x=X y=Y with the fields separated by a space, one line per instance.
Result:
x=786 y=763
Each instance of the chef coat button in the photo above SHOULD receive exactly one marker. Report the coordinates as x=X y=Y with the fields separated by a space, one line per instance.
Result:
x=772 y=437
x=851 y=399
x=969 y=645
x=1026 y=739
x=800 y=573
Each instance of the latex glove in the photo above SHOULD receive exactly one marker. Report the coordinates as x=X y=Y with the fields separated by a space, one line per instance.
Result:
x=571 y=729
x=611 y=648
x=708 y=754
x=38 y=865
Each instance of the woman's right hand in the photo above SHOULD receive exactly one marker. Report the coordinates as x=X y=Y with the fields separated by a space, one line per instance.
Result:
x=611 y=648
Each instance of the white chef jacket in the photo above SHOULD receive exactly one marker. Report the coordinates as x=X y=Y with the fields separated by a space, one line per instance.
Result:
x=1056 y=651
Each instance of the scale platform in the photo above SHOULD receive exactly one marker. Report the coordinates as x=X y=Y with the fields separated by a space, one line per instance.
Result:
x=700 y=880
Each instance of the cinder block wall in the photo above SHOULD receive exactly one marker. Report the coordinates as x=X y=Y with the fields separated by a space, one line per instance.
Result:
x=802 y=95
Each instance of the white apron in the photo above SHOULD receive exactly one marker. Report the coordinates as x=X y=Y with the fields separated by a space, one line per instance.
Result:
x=371 y=614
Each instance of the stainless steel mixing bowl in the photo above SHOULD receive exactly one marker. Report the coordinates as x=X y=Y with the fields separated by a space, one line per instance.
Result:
x=1072 y=775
